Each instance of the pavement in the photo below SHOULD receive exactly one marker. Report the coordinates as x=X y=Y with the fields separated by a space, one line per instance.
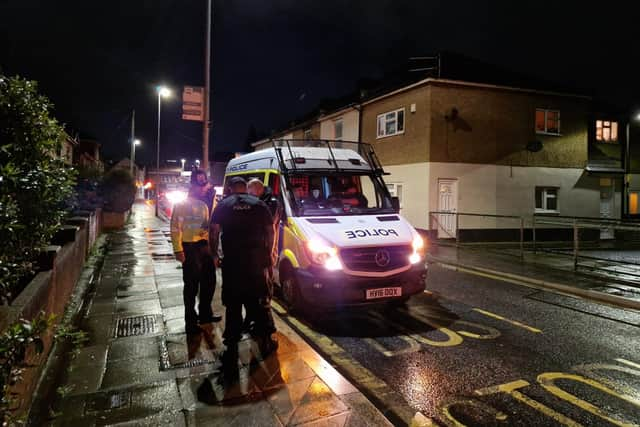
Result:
x=133 y=370
x=597 y=280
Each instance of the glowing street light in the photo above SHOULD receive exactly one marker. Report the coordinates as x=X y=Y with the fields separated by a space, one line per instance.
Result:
x=183 y=161
x=163 y=92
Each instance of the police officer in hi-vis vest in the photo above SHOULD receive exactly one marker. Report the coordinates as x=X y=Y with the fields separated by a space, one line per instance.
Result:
x=190 y=238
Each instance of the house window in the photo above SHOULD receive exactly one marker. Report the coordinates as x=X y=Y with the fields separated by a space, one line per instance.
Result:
x=548 y=121
x=337 y=130
x=606 y=131
x=395 y=190
x=546 y=199
x=391 y=123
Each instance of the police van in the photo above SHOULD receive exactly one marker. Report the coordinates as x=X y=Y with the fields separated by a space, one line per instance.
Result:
x=341 y=241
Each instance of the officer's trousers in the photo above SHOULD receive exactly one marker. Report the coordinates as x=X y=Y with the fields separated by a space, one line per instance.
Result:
x=199 y=274
x=249 y=289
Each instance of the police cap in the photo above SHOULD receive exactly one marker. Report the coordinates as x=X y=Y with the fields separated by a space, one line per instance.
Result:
x=237 y=180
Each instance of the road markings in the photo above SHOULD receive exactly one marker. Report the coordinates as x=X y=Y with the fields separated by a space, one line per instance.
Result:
x=513 y=322
x=389 y=402
x=628 y=362
x=511 y=389
x=547 y=380
x=451 y=421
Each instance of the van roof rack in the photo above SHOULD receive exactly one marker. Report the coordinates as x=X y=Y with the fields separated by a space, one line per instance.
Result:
x=363 y=149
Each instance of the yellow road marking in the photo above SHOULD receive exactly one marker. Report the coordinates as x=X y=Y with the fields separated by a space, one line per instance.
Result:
x=357 y=373
x=511 y=389
x=451 y=421
x=547 y=380
x=513 y=322
x=628 y=362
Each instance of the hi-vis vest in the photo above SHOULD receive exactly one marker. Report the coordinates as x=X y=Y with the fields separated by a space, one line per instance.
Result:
x=189 y=223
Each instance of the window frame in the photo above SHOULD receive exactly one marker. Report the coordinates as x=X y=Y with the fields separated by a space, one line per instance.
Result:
x=383 y=116
x=393 y=187
x=601 y=139
x=335 y=127
x=544 y=198
x=546 y=122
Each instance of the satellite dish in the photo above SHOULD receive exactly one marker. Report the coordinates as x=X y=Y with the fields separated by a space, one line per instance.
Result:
x=534 y=146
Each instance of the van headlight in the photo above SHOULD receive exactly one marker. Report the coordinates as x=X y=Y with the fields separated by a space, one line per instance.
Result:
x=323 y=254
x=418 y=250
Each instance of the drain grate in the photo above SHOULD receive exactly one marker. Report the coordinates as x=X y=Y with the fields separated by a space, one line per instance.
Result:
x=137 y=325
x=165 y=360
x=107 y=402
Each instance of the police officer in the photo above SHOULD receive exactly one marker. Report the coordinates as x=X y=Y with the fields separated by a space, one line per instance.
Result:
x=189 y=236
x=246 y=226
x=255 y=187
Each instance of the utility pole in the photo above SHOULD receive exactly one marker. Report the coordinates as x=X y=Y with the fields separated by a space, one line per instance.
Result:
x=207 y=91
x=133 y=140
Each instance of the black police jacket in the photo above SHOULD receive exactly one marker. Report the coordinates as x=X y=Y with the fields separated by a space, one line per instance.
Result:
x=247 y=231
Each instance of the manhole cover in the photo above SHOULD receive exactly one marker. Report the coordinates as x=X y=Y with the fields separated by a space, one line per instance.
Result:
x=109 y=401
x=138 y=325
x=165 y=359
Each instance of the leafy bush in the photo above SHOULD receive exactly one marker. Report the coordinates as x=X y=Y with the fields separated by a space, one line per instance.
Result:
x=34 y=185
x=118 y=189
x=14 y=344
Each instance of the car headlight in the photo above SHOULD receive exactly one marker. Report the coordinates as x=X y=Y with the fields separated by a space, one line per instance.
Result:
x=418 y=250
x=323 y=254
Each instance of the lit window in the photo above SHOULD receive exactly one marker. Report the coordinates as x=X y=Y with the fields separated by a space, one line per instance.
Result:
x=606 y=131
x=546 y=199
x=548 y=121
x=337 y=130
x=391 y=123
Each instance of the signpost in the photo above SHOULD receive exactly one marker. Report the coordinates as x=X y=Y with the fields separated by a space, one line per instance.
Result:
x=193 y=103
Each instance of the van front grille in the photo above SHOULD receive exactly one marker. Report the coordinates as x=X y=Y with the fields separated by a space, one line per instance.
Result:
x=376 y=259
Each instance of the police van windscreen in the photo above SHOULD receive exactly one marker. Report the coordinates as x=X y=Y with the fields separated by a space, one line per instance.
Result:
x=338 y=194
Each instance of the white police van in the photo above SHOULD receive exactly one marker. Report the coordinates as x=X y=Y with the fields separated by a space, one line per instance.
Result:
x=341 y=240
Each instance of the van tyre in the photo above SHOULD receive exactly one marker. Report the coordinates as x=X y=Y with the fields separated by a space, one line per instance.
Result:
x=290 y=290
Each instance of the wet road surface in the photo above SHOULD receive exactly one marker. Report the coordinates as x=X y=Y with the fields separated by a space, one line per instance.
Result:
x=477 y=351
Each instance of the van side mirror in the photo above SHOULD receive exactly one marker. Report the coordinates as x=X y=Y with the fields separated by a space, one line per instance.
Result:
x=395 y=203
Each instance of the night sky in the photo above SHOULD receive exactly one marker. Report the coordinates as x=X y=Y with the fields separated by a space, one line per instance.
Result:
x=274 y=60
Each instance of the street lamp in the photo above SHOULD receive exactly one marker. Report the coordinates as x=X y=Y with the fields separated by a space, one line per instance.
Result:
x=182 y=161
x=133 y=153
x=163 y=92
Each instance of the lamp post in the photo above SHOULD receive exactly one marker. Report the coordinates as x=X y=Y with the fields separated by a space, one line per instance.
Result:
x=133 y=140
x=182 y=161
x=163 y=92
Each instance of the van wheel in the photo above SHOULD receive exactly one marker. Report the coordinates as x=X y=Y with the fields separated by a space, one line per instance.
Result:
x=290 y=290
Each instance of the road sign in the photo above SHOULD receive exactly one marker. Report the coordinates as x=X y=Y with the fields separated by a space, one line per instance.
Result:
x=193 y=103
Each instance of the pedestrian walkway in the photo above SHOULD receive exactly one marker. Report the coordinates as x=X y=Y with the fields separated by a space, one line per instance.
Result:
x=134 y=368
x=541 y=269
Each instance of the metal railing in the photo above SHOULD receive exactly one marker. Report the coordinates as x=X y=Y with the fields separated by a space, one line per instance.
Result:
x=449 y=224
x=577 y=223
x=435 y=216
